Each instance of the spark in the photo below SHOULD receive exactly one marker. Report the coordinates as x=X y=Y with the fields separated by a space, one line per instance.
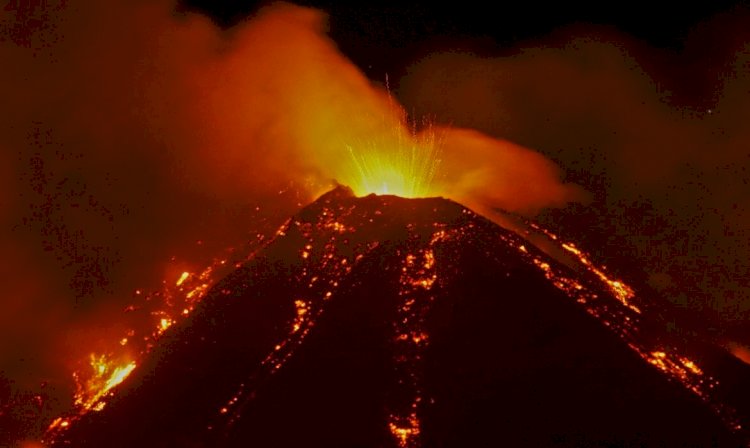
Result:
x=405 y=166
x=182 y=278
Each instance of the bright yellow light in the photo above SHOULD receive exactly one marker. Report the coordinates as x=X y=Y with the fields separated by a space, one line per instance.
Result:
x=405 y=166
x=164 y=324
x=182 y=278
x=106 y=375
x=118 y=375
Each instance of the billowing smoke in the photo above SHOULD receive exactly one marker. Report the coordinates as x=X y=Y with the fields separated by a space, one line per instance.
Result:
x=130 y=132
x=487 y=173
x=658 y=137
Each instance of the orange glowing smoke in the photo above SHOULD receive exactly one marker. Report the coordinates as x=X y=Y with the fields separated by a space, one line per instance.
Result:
x=210 y=117
x=662 y=148
x=285 y=104
x=620 y=290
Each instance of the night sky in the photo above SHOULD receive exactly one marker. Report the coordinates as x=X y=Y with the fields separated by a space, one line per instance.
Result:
x=383 y=37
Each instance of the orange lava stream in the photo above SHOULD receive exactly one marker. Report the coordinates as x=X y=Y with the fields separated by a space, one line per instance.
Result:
x=418 y=276
x=621 y=291
x=625 y=321
x=322 y=271
x=107 y=375
x=173 y=304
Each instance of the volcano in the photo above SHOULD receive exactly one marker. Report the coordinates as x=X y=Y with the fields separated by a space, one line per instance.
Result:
x=381 y=321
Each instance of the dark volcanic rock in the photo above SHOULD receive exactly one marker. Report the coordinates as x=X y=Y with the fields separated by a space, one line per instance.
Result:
x=366 y=315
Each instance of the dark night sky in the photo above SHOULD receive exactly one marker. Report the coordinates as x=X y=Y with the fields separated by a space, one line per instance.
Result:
x=384 y=38
x=380 y=36
x=396 y=23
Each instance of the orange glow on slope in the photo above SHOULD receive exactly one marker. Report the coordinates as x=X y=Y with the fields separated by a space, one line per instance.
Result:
x=59 y=422
x=324 y=264
x=106 y=375
x=418 y=276
x=299 y=320
x=622 y=291
x=625 y=319
x=331 y=267
x=681 y=368
x=159 y=310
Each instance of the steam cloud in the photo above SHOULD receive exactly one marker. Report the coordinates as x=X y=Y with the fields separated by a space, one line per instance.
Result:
x=130 y=131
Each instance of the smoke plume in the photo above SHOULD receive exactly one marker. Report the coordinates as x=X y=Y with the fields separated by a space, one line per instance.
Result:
x=131 y=132
x=658 y=137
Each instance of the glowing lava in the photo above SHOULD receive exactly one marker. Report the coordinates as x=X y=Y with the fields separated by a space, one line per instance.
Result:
x=405 y=165
x=106 y=375
x=162 y=309
x=321 y=254
x=626 y=320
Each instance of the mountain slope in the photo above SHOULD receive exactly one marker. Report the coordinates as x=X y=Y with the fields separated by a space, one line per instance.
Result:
x=382 y=321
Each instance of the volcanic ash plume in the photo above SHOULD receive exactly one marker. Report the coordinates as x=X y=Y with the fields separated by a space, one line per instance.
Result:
x=306 y=112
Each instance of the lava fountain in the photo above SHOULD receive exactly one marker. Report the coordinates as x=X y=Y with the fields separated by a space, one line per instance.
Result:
x=404 y=165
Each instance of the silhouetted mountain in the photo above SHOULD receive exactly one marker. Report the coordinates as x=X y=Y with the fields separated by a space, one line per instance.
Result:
x=381 y=321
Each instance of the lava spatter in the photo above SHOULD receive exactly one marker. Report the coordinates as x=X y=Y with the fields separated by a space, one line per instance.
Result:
x=159 y=310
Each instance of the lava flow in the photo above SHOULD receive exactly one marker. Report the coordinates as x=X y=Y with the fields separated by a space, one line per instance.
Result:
x=160 y=310
x=248 y=330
